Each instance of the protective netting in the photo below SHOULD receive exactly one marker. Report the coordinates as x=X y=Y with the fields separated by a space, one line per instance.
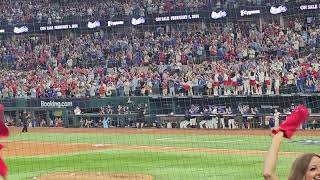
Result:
x=156 y=89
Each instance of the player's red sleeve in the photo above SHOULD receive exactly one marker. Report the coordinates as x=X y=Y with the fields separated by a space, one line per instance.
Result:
x=293 y=121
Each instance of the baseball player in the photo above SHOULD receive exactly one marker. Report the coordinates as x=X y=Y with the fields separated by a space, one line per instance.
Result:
x=25 y=117
x=185 y=123
x=140 y=118
x=193 y=119
x=206 y=118
x=213 y=123
x=221 y=112
x=231 y=119
x=276 y=117
x=105 y=122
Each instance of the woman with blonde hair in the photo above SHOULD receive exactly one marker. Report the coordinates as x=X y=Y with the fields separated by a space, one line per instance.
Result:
x=307 y=166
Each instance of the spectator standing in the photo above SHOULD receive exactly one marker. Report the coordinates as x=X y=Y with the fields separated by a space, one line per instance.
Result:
x=253 y=83
x=209 y=86
x=216 y=84
x=268 y=83
x=127 y=87
x=246 y=84
x=299 y=83
x=277 y=84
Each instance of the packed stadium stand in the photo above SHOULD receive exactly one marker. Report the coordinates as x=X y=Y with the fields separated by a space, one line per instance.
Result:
x=61 y=50
x=157 y=89
x=188 y=59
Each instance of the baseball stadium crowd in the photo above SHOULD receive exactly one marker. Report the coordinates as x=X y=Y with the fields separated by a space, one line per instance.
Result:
x=57 y=11
x=215 y=60
x=53 y=11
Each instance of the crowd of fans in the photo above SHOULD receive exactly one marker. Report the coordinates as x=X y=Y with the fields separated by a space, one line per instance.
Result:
x=56 y=11
x=216 y=60
x=50 y=11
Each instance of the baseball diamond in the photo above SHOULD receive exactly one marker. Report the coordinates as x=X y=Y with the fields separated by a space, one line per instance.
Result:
x=47 y=152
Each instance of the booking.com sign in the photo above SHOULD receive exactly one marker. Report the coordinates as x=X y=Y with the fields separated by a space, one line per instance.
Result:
x=55 y=104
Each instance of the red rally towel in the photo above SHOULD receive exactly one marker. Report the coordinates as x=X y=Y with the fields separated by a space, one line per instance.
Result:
x=293 y=121
x=4 y=132
x=3 y=168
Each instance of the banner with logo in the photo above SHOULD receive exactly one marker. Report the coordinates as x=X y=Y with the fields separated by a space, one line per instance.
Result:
x=208 y=14
x=20 y=30
x=177 y=17
x=309 y=7
x=95 y=24
x=59 y=27
x=278 y=10
x=138 y=21
x=265 y=102
x=218 y=15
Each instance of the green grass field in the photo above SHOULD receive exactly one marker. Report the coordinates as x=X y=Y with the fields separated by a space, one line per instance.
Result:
x=160 y=165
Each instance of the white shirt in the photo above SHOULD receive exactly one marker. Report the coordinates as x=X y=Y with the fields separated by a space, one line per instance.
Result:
x=261 y=77
x=234 y=79
x=216 y=78
x=276 y=115
x=214 y=111
x=252 y=77
x=77 y=111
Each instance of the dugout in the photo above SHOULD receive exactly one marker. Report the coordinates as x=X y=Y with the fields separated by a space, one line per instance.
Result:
x=115 y=120
x=13 y=115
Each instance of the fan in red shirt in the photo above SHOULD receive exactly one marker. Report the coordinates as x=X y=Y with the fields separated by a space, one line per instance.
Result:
x=314 y=73
x=185 y=87
x=63 y=87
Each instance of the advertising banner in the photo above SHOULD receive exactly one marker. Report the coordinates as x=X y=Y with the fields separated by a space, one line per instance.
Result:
x=278 y=10
x=177 y=17
x=170 y=17
x=59 y=27
x=249 y=12
x=309 y=7
x=218 y=15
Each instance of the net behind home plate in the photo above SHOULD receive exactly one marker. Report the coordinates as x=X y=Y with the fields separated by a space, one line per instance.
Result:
x=237 y=67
